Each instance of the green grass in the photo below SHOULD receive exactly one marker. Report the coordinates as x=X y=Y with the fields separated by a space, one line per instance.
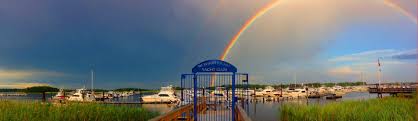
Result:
x=387 y=109
x=37 y=111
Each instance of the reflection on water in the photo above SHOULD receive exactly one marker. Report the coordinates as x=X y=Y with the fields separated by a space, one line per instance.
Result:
x=258 y=111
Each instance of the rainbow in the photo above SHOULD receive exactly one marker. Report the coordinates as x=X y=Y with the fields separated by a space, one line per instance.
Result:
x=247 y=24
x=274 y=3
x=401 y=10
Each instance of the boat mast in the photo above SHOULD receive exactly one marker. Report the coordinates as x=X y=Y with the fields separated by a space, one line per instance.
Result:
x=294 y=79
x=92 y=80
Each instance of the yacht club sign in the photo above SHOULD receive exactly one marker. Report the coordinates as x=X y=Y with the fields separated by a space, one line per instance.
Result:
x=214 y=66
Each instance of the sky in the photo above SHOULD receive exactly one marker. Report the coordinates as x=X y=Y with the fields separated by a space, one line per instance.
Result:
x=148 y=44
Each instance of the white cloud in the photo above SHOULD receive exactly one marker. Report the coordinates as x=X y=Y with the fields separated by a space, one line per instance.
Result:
x=372 y=55
x=345 y=70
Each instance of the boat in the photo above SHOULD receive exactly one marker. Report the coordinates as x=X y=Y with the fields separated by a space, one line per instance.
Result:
x=278 y=93
x=296 y=93
x=82 y=95
x=219 y=95
x=166 y=95
x=314 y=94
x=268 y=91
x=109 y=95
x=60 y=95
x=333 y=96
x=124 y=94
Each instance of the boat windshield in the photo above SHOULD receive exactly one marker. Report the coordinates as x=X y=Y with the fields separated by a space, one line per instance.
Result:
x=219 y=95
x=163 y=95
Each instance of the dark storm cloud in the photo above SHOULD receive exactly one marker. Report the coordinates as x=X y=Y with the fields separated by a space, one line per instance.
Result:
x=125 y=41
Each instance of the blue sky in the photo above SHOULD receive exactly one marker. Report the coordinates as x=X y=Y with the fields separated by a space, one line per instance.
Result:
x=148 y=44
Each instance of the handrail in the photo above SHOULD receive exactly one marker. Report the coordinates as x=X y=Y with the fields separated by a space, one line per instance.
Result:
x=174 y=114
x=241 y=115
x=186 y=110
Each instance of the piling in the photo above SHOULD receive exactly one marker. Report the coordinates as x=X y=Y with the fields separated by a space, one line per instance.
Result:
x=103 y=98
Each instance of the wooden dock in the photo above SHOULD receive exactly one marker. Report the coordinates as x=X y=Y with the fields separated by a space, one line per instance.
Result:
x=392 y=90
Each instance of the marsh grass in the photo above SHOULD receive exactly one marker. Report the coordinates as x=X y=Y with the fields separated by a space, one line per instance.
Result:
x=37 y=111
x=386 y=109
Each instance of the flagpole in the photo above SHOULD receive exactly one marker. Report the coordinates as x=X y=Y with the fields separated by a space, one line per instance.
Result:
x=379 y=71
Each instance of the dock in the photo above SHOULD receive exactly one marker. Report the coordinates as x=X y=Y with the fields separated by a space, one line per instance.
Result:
x=393 y=88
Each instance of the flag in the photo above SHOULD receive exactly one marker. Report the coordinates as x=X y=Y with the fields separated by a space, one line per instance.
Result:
x=378 y=65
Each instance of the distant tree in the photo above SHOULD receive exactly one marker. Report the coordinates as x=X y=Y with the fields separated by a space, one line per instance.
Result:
x=130 y=89
x=41 y=89
x=329 y=84
x=12 y=90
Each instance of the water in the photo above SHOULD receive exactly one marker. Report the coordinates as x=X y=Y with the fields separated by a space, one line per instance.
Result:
x=258 y=111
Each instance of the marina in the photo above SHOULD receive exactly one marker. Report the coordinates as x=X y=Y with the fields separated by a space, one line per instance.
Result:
x=208 y=60
x=259 y=107
x=220 y=101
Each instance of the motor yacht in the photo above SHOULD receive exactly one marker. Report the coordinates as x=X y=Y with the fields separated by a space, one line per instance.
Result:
x=82 y=95
x=268 y=91
x=60 y=95
x=219 y=95
x=166 y=95
x=296 y=93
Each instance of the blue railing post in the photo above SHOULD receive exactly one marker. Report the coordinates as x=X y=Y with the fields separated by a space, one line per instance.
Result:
x=195 y=97
x=233 y=96
x=183 y=76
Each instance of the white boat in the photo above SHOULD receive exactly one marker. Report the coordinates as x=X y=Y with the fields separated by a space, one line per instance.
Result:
x=60 y=95
x=219 y=95
x=130 y=93
x=166 y=95
x=268 y=91
x=296 y=93
x=277 y=93
x=124 y=94
x=82 y=95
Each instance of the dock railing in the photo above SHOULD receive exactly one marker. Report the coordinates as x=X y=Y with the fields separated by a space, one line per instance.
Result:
x=392 y=90
x=184 y=113
x=241 y=115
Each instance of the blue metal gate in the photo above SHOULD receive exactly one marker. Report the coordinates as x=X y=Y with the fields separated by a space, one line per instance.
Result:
x=214 y=88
